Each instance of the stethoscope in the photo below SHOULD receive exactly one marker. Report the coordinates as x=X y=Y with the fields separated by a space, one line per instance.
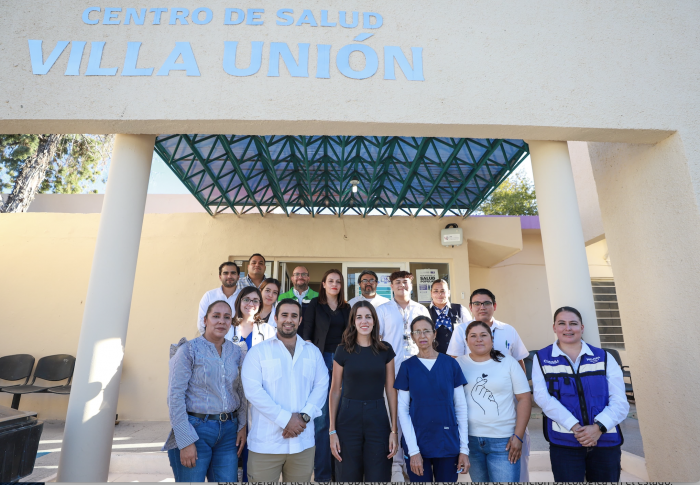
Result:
x=235 y=338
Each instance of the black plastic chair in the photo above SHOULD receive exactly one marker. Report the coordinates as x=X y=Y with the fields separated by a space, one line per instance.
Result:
x=626 y=374
x=50 y=368
x=528 y=367
x=15 y=368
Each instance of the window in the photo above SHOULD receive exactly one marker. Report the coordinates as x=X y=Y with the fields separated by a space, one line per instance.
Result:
x=608 y=313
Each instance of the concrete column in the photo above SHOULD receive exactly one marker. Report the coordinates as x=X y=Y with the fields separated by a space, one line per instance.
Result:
x=87 y=440
x=565 y=259
x=651 y=214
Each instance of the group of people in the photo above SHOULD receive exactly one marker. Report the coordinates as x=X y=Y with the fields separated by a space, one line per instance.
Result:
x=304 y=383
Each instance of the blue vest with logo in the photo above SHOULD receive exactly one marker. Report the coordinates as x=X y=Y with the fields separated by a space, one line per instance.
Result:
x=584 y=394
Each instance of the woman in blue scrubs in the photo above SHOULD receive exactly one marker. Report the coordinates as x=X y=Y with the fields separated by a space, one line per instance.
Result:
x=432 y=410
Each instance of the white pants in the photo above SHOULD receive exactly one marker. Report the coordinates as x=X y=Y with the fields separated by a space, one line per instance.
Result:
x=525 y=458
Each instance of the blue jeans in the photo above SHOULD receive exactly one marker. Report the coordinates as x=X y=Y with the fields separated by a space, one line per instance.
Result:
x=595 y=464
x=217 y=455
x=489 y=461
x=322 y=459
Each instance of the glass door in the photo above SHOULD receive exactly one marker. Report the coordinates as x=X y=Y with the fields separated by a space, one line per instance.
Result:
x=352 y=270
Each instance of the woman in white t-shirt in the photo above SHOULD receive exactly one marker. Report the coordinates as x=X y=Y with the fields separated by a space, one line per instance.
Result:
x=495 y=382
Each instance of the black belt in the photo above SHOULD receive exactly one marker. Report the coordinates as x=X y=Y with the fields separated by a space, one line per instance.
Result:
x=215 y=417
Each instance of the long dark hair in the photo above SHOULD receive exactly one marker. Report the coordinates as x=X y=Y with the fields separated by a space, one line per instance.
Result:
x=270 y=281
x=238 y=317
x=323 y=299
x=349 y=340
x=496 y=355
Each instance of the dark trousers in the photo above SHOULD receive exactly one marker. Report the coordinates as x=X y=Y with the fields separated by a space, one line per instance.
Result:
x=594 y=464
x=323 y=459
x=363 y=432
x=434 y=469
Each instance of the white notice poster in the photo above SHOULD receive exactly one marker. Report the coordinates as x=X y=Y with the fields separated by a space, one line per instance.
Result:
x=425 y=279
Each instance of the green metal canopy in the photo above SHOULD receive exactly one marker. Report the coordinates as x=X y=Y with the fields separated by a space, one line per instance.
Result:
x=317 y=174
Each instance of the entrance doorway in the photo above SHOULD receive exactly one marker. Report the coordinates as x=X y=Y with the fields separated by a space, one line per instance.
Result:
x=349 y=270
x=352 y=270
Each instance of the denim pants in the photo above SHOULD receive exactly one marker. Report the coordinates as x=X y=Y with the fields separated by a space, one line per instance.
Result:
x=489 y=461
x=322 y=460
x=217 y=454
x=594 y=464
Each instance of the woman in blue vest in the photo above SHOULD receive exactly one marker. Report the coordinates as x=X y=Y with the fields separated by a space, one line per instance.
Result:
x=432 y=410
x=582 y=395
x=446 y=315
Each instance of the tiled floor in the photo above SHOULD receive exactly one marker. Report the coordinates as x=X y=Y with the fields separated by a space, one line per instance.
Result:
x=128 y=437
x=140 y=442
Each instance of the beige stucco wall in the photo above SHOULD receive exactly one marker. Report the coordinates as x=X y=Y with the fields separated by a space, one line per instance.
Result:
x=520 y=286
x=652 y=230
x=537 y=70
x=586 y=192
x=49 y=257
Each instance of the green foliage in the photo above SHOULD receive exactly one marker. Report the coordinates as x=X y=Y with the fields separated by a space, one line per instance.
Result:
x=514 y=197
x=78 y=162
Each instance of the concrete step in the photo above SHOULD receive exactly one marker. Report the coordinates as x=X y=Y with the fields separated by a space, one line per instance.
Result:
x=155 y=467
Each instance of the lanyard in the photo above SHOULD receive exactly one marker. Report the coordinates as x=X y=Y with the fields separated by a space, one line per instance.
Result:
x=410 y=346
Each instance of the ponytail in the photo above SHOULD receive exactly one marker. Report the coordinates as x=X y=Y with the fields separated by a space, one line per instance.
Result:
x=496 y=355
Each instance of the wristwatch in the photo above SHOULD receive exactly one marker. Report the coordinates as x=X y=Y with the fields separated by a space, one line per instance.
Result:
x=602 y=427
x=305 y=417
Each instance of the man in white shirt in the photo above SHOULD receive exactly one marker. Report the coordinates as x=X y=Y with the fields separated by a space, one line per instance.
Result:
x=395 y=317
x=367 y=282
x=228 y=291
x=286 y=383
x=482 y=305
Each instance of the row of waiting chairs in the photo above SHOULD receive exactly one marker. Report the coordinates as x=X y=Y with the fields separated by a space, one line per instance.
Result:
x=51 y=368
x=626 y=375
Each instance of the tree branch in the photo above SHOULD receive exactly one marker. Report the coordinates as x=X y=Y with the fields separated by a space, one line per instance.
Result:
x=31 y=176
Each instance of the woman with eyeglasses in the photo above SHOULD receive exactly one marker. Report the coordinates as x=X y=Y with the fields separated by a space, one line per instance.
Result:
x=496 y=425
x=249 y=330
x=324 y=322
x=581 y=391
x=432 y=410
x=270 y=289
x=247 y=327
x=363 y=437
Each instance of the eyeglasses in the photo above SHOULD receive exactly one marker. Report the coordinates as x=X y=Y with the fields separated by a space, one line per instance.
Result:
x=300 y=275
x=248 y=300
x=372 y=281
x=479 y=304
x=418 y=333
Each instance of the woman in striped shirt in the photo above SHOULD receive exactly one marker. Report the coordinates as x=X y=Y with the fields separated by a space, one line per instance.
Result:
x=207 y=405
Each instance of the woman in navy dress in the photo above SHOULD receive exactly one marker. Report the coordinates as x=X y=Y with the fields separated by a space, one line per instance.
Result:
x=432 y=410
